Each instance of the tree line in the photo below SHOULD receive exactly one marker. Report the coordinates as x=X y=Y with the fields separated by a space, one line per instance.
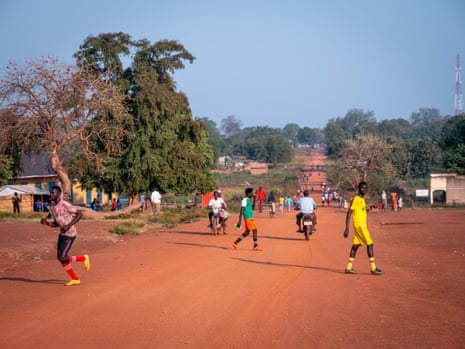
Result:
x=391 y=151
x=358 y=146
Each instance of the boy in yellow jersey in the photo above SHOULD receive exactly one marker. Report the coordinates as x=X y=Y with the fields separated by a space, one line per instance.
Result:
x=358 y=210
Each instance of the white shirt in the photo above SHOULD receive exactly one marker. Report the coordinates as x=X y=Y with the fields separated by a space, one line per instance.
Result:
x=155 y=197
x=215 y=205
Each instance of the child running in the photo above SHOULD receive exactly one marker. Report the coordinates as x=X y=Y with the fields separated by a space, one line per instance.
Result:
x=249 y=221
x=65 y=216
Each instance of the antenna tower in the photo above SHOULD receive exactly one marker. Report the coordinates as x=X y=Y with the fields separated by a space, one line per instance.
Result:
x=458 y=89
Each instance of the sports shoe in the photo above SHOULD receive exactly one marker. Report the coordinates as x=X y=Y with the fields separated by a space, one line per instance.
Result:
x=86 y=262
x=234 y=245
x=73 y=283
x=377 y=272
x=210 y=225
x=350 y=271
x=256 y=248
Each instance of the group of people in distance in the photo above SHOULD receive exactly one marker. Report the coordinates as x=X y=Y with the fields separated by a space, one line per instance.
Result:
x=357 y=212
x=155 y=202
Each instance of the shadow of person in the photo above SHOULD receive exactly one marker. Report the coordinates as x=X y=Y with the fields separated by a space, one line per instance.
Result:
x=332 y=270
x=19 y=279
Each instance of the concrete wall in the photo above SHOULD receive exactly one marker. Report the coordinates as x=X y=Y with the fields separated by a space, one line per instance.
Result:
x=452 y=184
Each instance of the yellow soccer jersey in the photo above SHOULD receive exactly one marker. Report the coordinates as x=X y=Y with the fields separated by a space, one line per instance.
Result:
x=359 y=211
x=359 y=217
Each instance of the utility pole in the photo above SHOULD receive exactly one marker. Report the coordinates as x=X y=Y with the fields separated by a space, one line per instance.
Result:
x=458 y=106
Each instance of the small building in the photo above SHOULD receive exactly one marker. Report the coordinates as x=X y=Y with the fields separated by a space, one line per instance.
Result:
x=256 y=168
x=447 y=188
x=32 y=199
x=37 y=171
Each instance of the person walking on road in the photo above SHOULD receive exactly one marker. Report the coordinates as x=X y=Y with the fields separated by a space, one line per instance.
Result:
x=155 y=200
x=249 y=222
x=358 y=210
x=260 y=197
x=65 y=216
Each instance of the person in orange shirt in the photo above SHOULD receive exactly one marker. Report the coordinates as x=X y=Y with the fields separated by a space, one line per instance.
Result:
x=394 y=201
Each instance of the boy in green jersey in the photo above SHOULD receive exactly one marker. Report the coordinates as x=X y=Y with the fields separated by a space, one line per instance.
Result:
x=249 y=221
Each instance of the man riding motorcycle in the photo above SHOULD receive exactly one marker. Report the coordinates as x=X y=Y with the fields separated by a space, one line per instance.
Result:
x=215 y=205
x=307 y=206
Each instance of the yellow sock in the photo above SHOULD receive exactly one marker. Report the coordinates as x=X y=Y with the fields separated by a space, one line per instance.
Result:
x=350 y=263
x=372 y=264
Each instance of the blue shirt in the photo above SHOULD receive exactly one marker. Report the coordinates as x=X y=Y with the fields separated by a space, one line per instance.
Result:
x=307 y=205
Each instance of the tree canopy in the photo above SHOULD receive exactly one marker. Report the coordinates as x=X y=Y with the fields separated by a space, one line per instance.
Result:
x=170 y=149
x=50 y=108
x=452 y=143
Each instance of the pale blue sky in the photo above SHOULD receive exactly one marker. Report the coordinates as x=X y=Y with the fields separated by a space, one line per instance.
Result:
x=272 y=62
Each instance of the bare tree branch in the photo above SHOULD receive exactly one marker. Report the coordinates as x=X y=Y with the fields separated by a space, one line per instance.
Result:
x=53 y=108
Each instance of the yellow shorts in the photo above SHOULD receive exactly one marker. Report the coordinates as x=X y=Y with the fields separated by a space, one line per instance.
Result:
x=362 y=236
x=250 y=224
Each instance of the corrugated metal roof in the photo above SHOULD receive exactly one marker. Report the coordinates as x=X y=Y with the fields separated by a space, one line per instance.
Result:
x=8 y=190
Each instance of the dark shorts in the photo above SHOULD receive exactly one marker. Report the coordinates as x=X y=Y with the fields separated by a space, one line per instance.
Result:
x=64 y=244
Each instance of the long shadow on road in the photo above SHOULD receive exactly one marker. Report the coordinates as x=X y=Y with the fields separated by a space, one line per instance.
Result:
x=198 y=245
x=274 y=264
x=280 y=238
x=52 y=281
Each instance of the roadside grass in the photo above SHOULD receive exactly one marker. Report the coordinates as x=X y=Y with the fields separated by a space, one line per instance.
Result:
x=131 y=227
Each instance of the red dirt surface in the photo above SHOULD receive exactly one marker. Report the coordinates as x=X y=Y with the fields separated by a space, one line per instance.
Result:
x=184 y=288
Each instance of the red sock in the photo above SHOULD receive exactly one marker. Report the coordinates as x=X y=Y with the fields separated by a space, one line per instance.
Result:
x=77 y=258
x=69 y=269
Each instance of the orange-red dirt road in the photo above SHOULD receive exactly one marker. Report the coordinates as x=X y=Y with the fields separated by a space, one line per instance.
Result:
x=184 y=288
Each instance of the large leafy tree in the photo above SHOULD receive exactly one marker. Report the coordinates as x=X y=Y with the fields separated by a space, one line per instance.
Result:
x=423 y=157
x=452 y=144
x=290 y=131
x=355 y=122
x=215 y=139
x=170 y=149
x=306 y=135
x=335 y=138
x=6 y=169
x=427 y=122
x=59 y=109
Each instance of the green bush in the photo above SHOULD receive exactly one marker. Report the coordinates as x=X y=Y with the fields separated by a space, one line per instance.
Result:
x=127 y=228
x=171 y=217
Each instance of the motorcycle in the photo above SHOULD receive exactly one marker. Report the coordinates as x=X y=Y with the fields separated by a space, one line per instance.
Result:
x=307 y=221
x=219 y=221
